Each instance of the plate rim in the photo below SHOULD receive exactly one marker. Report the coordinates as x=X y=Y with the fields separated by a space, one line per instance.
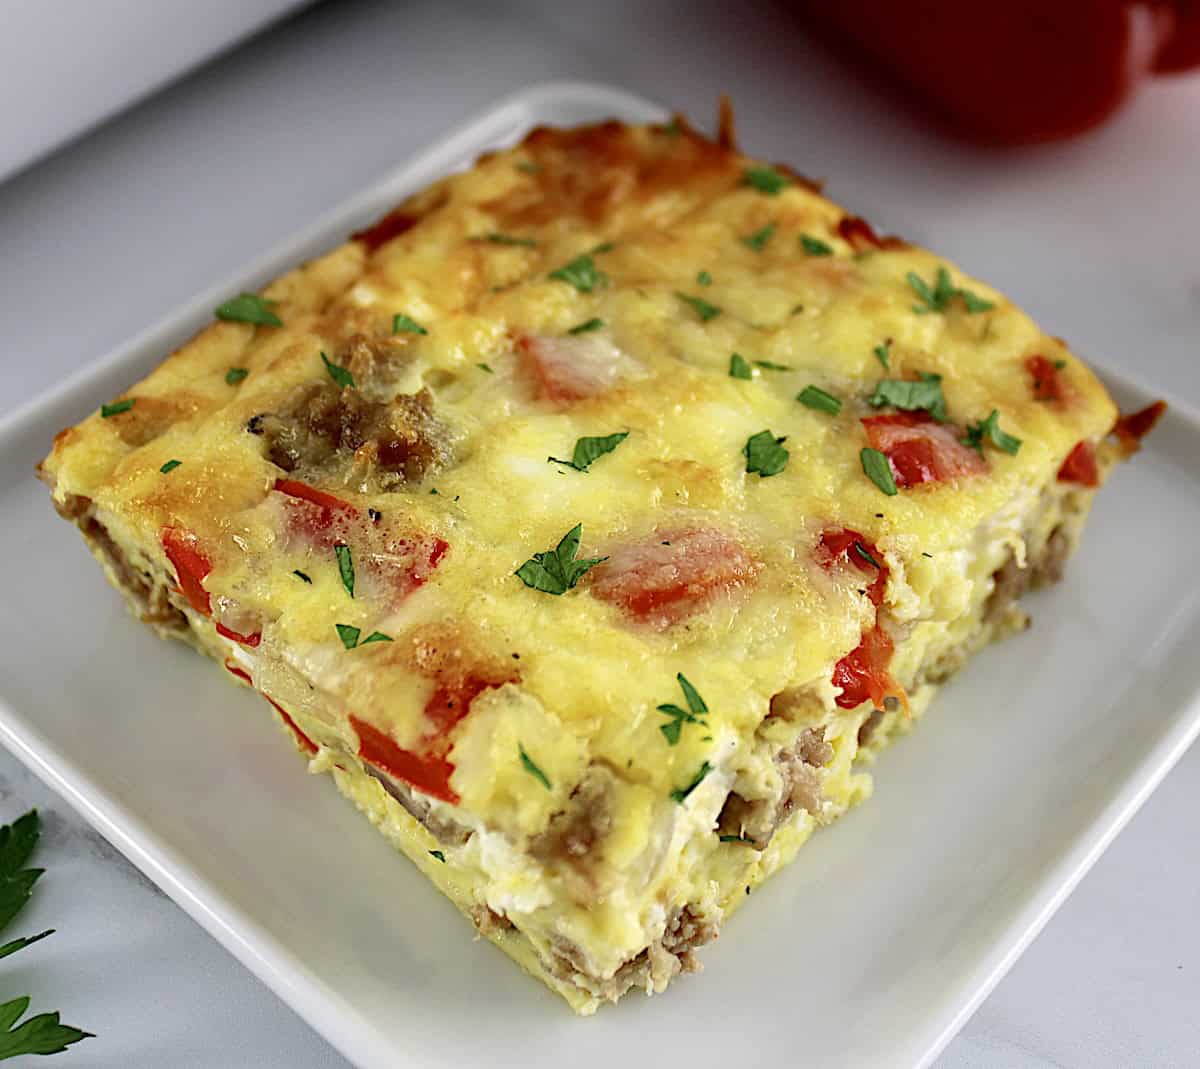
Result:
x=353 y=1034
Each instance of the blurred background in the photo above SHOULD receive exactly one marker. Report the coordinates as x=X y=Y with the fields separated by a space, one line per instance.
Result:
x=147 y=151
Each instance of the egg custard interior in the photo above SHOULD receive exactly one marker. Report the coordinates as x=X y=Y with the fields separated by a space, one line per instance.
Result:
x=593 y=518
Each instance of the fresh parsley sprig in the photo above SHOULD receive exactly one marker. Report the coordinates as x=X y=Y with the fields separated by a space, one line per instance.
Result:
x=758 y=240
x=924 y=394
x=693 y=714
x=581 y=273
x=43 y=1033
x=556 y=570
x=765 y=455
x=589 y=450
x=681 y=794
x=700 y=306
x=943 y=292
x=249 y=308
x=990 y=429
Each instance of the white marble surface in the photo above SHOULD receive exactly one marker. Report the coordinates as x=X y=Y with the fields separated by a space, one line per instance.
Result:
x=1098 y=238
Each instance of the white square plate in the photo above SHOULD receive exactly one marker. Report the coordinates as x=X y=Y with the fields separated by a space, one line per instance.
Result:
x=870 y=951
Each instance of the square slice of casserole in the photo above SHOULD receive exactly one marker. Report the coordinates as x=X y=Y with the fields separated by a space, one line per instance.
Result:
x=593 y=518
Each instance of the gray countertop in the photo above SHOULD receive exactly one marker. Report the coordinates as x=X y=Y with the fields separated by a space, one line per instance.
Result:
x=1099 y=239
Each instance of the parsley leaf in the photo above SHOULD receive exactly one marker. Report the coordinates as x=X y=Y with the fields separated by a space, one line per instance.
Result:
x=42 y=1034
x=485 y=367
x=682 y=793
x=924 y=394
x=702 y=308
x=815 y=397
x=339 y=374
x=693 y=714
x=878 y=470
x=235 y=375
x=815 y=246
x=758 y=240
x=508 y=239
x=170 y=465
x=556 y=571
x=301 y=575
x=883 y=353
x=17 y=841
x=116 y=408
x=348 y=634
x=768 y=366
x=439 y=855
x=580 y=273
x=944 y=291
x=531 y=768
x=345 y=567
x=764 y=179
x=990 y=428
x=586 y=326
x=402 y=324
x=733 y=839
x=704 y=279
x=249 y=308
x=588 y=450
x=376 y=636
x=765 y=454
x=738 y=368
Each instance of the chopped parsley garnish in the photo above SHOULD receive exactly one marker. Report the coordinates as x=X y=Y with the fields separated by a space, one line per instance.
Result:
x=588 y=450
x=734 y=839
x=439 y=855
x=604 y=246
x=508 y=239
x=764 y=179
x=485 y=367
x=701 y=307
x=345 y=567
x=680 y=795
x=865 y=554
x=235 y=375
x=990 y=429
x=944 y=291
x=531 y=768
x=116 y=408
x=348 y=634
x=1060 y=364
x=765 y=454
x=738 y=368
x=556 y=571
x=338 y=373
x=924 y=394
x=587 y=326
x=815 y=246
x=249 y=308
x=691 y=715
x=170 y=465
x=302 y=576
x=704 y=279
x=883 y=353
x=377 y=636
x=42 y=1033
x=766 y=365
x=580 y=273
x=402 y=324
x=815 y=397
x=758 y=240
x=879 y=471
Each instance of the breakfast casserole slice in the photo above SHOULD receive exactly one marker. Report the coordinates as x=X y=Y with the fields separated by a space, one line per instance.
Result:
x=593 y=518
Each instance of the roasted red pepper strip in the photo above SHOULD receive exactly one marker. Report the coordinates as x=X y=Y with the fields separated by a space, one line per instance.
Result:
x=1047 y=386
x=246 y=640
x=428 y=773
x=1080 y=466
x=863 y=673
x=838 y=543
x=190 y=564
x=1133 y=428
x=921 y=450
x=305 y=742
x=295 y=488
